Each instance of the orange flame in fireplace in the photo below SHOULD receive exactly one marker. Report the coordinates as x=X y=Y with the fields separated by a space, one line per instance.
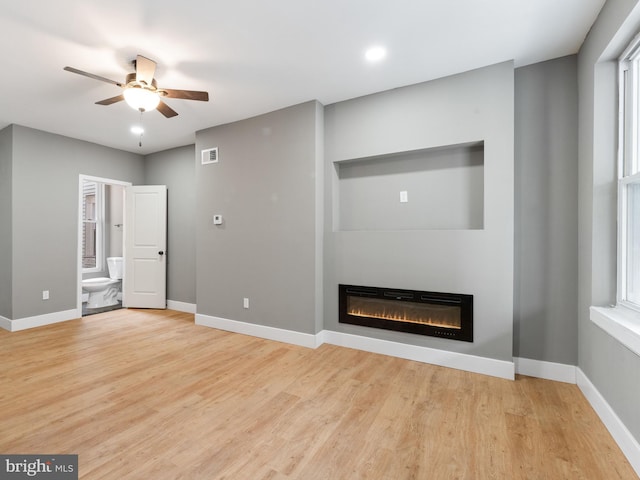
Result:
x=425 y=314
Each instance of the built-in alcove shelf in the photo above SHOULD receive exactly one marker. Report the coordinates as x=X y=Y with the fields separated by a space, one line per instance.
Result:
x=437 y=188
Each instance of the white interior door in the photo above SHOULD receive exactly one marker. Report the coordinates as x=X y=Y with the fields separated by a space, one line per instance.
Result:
x=145 y=245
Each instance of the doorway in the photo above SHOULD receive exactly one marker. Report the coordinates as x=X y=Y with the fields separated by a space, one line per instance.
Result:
x=101 y=204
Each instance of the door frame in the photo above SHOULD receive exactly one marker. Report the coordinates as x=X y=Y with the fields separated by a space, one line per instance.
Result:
x=83 y=178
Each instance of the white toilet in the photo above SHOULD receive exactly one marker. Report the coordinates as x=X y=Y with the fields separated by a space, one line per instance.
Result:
x=103 y=292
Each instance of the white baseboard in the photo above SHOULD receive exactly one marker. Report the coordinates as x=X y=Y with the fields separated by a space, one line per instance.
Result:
x=548 y=370
x=623 y=437
x=459 y=361
x=46 y=319
x=262 y=331
x=181 y=306
x=5 y=323
x=470 y=363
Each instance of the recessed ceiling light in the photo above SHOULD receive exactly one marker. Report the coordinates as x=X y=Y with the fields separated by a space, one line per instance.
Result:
x=137 y=130
x=375 y=54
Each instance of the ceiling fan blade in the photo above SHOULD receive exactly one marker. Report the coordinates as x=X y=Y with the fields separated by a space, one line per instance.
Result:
x=166 y=110
x=109 y=101
x=91 y=75
x=145 y=69
x=185 y=94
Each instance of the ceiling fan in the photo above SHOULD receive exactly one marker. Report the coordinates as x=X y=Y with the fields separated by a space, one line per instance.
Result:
x=140 y=90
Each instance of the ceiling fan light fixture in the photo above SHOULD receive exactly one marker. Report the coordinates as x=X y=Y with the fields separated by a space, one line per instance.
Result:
x=141 y=99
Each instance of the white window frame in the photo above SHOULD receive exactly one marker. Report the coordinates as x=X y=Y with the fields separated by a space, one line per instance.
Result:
x=100 y=211
x=628 y=158
x=622 y=321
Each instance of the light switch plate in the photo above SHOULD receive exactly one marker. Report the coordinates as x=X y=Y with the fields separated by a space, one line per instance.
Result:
x=217 y=219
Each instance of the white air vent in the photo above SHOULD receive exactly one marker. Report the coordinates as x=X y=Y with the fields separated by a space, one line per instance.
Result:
x=210 y=155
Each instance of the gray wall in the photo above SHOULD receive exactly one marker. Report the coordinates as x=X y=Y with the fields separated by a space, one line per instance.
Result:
x=6 y=220
x=265 y=186
x=45 y=208
x=611 y=367
x=175 y=168
x=470 y=107
x=546 y=211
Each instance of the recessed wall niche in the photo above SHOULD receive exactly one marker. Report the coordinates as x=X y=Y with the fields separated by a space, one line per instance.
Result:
x=438 y=188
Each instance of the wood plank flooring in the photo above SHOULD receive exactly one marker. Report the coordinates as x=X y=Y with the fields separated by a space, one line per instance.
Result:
x=144 y=394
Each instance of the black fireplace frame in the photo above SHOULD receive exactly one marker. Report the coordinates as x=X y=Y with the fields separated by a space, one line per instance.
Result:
x=465 y=302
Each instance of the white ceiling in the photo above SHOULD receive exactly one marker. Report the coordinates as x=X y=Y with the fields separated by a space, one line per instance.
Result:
x=253 y=56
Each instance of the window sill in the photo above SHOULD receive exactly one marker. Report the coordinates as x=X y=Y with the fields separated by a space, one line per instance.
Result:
x=621 y=323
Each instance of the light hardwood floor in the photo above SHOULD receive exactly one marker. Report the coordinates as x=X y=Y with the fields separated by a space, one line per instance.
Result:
x=144 y=394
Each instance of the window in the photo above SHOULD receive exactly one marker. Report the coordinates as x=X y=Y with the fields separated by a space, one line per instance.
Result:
x=92 y=212
x=629 y=179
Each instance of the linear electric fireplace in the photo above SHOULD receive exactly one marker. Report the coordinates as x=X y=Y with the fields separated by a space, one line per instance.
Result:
x=446 y=315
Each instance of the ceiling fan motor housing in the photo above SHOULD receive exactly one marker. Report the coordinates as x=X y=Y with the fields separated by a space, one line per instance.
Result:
x=131 y=81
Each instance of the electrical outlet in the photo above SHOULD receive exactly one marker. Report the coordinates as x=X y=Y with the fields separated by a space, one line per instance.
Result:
x=45 y=294
x=245 y=303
